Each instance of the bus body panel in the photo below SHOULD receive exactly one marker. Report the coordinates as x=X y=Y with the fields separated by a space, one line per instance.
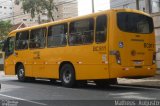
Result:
x=88 y=61
x=92 y=61
x=25 y=58
x=88 y=64
x=9 y=66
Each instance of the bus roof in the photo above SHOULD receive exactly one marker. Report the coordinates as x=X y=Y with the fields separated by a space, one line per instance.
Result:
x=76 y=18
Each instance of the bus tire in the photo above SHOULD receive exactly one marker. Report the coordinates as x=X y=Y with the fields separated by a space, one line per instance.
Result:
x=67 y=75
x=21 y=73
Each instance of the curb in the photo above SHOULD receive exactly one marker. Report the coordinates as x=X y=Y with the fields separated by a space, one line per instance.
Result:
x=158 y=73
x=145 y=86
x=2 y=73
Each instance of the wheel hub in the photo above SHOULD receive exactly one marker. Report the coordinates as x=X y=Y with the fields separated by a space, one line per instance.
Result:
x=67 y=76
x=21 y=72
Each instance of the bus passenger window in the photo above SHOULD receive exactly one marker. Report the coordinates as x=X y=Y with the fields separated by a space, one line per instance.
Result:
x=57 y=35
x=101 y=29
x=22 y=40
x=37 y=38
x=81 y=32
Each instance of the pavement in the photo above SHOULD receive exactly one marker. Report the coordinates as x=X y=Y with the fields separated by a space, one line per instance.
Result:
x=2 y=73
x=144 y=82
x=37 y=91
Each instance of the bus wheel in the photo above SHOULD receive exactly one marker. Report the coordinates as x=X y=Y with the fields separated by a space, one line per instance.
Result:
x=102 y=83
x=67 y=75
x=21 y=73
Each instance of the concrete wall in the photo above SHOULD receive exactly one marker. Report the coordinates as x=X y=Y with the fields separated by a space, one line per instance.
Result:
x=65 y=10
x=122 y=3
x=156 y=18
x=20 y=16
x=127 y=4
x=6 y=9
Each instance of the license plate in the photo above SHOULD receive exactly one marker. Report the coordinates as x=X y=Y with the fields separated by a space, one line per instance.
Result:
x=138 y=63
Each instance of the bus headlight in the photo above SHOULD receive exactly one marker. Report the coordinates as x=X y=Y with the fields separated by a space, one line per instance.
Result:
x=154 y=58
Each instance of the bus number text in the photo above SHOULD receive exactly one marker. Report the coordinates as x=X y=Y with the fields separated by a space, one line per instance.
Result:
x=99 y=48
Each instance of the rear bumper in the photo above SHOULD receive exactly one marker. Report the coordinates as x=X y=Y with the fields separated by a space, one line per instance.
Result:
x=132 y=72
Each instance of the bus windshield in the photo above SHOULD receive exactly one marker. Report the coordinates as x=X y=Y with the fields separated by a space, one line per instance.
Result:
x=134 y=23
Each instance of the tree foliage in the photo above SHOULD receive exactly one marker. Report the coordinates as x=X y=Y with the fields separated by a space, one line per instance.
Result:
x=5 y=27
x=50 y=6
x=38 y=7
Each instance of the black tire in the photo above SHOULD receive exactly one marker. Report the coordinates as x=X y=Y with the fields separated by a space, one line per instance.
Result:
x=21 y=73
x=67 y=76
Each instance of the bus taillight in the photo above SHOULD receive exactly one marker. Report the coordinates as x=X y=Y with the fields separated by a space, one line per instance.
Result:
x=154 y=58
x=118 y=58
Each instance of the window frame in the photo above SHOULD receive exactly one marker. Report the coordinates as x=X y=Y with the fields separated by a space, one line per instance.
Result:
x=107 y=24
x=16 y=40
x=44 y=37
x=66 y=36
x=93 y=31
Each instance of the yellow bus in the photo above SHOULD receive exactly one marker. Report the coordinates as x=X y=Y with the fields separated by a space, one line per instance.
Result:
x=99 y=47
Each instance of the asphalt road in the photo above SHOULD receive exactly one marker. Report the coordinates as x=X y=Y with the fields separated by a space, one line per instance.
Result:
x=34 y=93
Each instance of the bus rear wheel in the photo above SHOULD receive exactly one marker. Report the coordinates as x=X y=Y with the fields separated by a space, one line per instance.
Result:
x=21 y=73
x=67 y=75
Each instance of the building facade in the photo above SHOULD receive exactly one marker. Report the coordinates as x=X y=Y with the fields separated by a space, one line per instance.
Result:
x=150 y=6
x=127 y=4
x=6 y=9
x=19 y=16
x=10 y=11
x=65 y=9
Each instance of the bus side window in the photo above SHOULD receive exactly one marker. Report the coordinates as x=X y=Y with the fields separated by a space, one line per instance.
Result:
x=101 y=29
x=22 y=40
x=81 y=32
x=37 y=38
x=57 y=35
